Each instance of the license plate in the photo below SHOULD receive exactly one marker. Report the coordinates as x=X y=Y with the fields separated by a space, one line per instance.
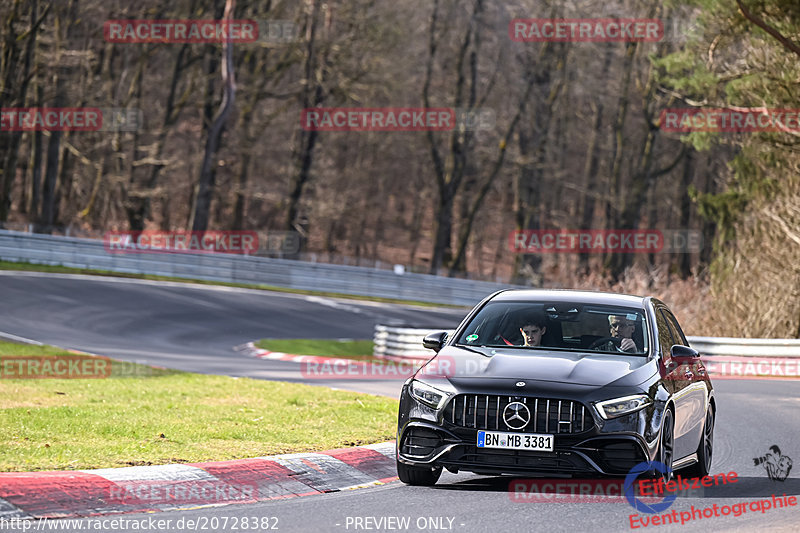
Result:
x=515 y=441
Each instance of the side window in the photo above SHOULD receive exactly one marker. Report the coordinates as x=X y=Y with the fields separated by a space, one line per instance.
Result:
x=665 y=340
x=677 y=333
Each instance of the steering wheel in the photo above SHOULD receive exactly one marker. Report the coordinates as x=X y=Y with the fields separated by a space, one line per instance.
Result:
x=603 y=340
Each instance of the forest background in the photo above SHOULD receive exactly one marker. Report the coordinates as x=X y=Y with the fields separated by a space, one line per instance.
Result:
x=575 y=140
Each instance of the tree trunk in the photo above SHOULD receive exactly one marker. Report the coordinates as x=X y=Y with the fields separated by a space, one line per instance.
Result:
x=241 y=197
x=21 y=76
x=315 y=72
x=450 y=172
x=532 y=141
x=51 y=174
x=303 y=159
x=685 y=210
x=444 y=227
x=416 y=225
x=589 y=180
x=460 y=261
x=589 y=193
x=205 y=185
x=36 y=172
x=618 y=142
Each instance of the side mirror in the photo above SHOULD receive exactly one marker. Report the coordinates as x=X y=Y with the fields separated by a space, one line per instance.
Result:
x=683 y=354
x=434 y=341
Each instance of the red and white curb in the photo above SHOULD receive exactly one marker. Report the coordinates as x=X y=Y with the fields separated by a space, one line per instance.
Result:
x=182 y=486
x=253 y=351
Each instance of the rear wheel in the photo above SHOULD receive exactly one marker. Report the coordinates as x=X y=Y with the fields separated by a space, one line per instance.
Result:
x=418 y=475
x=704 y=449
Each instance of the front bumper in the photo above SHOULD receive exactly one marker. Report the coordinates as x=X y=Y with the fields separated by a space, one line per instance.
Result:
x=588 y=453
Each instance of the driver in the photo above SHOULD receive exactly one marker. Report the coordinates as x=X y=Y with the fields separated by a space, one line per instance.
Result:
x=621 y=328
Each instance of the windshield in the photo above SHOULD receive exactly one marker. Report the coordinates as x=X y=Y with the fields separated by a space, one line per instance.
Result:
x=568 y=326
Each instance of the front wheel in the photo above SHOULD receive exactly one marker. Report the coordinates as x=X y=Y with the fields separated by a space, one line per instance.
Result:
x=665 y=447
x=704 y=449
x=418 y=475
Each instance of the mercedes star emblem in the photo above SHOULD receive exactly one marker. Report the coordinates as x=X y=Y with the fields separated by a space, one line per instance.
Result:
x=516 y=415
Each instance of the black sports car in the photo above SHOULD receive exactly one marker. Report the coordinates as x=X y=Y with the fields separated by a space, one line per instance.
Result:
x=558 y=383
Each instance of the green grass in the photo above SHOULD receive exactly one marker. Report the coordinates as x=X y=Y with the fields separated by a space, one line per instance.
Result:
x=145 y=416
x=30 y=267
x=333 y=348
x=118 y=369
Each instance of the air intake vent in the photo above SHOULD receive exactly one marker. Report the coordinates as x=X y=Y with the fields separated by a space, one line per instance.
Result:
x=420 y=442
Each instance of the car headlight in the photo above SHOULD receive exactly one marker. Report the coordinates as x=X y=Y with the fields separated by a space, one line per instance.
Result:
x=428 y=395
x=622 y=406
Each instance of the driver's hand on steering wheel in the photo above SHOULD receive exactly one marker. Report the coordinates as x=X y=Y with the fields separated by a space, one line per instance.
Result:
x=627 y=345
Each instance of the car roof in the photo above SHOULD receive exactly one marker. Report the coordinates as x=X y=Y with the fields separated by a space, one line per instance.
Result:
x=563 y=295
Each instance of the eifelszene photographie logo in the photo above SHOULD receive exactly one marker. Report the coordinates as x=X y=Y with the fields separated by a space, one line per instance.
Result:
x=777 y=465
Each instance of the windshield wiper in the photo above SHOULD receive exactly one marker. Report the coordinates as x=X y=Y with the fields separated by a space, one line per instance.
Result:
x=471 y=348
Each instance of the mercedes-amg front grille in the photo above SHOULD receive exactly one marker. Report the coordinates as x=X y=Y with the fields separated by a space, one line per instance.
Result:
x=486 y=411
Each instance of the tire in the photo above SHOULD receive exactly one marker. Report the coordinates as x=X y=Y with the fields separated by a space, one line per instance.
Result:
x=416 y=475
x=704 y=450
x=666 y=447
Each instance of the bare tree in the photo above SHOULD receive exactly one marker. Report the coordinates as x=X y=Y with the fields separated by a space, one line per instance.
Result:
x=205 y=183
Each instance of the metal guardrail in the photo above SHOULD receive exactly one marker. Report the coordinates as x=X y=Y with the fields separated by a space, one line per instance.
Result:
x=397 y=342
x=285 y=273
x=732 y=346
x=401 y=343
x=389 y=341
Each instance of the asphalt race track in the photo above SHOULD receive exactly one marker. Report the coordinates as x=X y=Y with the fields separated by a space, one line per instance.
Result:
x=193 y=327
x=196 y=327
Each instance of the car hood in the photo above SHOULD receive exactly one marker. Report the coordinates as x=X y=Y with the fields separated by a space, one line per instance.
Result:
x=577 y=368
